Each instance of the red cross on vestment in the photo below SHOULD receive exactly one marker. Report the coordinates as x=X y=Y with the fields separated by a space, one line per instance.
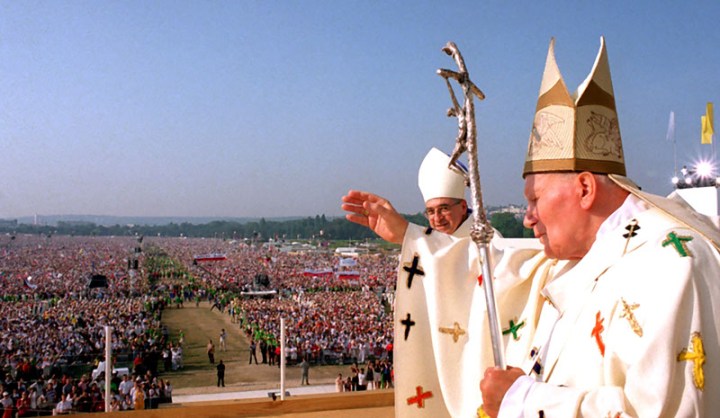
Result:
x=419 y=399
x=596 y=333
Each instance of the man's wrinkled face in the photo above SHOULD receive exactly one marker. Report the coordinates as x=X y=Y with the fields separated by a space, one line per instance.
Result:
x=446 y=214
x=553 y=213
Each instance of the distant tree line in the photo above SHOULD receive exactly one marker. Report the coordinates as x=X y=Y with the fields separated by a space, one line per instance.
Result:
x=509 y=226
x=318 y=228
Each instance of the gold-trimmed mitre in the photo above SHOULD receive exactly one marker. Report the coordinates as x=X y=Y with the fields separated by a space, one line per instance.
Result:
x=577 y=132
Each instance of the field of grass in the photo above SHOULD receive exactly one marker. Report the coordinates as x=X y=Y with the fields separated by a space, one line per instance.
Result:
x=199 y=376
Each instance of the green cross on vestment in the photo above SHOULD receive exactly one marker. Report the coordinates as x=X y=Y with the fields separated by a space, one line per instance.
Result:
x=513 y=329
x=679 y=242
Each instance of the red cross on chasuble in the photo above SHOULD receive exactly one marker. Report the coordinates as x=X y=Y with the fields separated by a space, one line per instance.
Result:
x=596 y=332
x=419 y=399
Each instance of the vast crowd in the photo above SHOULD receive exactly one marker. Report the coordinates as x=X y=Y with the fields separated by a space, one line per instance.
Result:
x=52 y=321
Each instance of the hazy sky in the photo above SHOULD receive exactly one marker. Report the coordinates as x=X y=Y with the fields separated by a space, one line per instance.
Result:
x=277 y=108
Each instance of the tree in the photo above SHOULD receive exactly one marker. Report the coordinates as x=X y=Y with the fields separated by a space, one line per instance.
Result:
x=508 y=225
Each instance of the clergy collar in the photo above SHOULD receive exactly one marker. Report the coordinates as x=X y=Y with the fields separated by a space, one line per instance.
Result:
x=562 y=291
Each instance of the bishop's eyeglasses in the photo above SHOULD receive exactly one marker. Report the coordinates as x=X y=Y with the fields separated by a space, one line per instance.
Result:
x=440 y=210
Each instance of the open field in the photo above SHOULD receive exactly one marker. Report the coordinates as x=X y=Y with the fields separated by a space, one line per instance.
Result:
x=199 y=376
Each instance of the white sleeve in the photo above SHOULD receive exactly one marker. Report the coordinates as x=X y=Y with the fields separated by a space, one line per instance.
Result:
x=514 y=399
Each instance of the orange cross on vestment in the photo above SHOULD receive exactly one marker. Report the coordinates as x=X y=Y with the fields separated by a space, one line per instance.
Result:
x=596 y=332
x=419 y=399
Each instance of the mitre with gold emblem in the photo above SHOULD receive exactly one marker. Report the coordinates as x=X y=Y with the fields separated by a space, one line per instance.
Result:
x=580 y=132
x=576 y=132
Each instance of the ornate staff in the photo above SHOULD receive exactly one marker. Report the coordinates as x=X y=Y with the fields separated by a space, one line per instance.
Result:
x=481 y=231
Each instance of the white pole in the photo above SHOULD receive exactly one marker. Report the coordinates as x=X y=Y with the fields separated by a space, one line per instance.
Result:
x=282 y=359
x=108 y=365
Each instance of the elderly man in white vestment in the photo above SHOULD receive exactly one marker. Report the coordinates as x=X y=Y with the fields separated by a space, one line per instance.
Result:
x=625 y=323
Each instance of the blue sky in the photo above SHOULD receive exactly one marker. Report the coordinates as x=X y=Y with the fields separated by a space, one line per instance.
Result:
x=277 y=108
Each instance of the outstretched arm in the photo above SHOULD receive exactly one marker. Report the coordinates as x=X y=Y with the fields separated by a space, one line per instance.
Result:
x=375 y=213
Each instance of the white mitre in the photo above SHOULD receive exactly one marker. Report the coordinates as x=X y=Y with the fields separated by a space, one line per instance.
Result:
x=437 y=179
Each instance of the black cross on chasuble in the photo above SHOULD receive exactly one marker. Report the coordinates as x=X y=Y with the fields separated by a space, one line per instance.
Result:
x=413 y=268
x=632 y=229
x=407 y=322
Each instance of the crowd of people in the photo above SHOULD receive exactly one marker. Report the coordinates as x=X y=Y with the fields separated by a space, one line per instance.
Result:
x=52 y=321
x=374 y=375
x=329 y=319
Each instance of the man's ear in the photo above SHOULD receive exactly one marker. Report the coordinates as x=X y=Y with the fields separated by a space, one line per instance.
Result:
x=586 y=185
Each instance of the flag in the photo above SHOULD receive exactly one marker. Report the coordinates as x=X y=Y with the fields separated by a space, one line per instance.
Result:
x=670 y=137
x=707 y=125
x=348 y=262
x=210 y=257
x=28 y=282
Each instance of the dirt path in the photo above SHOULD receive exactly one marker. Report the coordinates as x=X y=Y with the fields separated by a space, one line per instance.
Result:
x=199 y=376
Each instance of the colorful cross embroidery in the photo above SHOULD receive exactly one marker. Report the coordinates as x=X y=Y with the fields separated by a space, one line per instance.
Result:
x=419 y=399
x=679 y=242
x=596 y=332
x=628 y=313
x=631 y=228
x=407 y=322
x=514 y=328
x=413 y=268
x=697 y=356
x=456 y=331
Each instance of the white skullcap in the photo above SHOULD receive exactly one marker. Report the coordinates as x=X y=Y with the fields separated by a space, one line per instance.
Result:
x=436 y=179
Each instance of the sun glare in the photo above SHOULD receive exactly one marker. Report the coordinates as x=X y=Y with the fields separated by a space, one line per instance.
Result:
x=704 y=169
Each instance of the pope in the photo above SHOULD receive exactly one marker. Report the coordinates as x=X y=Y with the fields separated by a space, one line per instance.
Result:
x=614 y=317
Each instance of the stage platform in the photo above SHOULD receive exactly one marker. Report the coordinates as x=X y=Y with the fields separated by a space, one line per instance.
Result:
x=375 y=403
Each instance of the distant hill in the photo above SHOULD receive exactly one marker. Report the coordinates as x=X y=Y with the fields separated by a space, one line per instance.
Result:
x=319 y=227
x=102 y=220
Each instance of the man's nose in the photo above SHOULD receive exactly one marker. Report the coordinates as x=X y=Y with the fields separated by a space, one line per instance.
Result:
x=529 y=219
